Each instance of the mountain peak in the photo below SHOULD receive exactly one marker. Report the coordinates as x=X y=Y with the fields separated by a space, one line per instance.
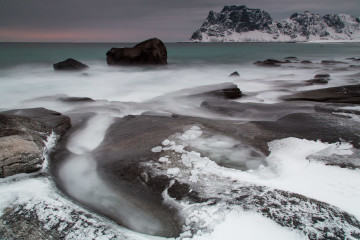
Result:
x=240 y=23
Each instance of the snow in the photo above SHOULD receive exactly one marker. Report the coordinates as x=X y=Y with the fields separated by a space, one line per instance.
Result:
x=39 y=195
x=292 y=166
x=239 y=224
x=216 y=29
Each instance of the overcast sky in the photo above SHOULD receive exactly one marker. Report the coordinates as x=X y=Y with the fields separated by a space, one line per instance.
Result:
x=134 y=20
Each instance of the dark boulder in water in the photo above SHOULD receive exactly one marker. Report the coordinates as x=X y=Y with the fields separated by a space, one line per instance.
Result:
x=22 y=138
x=306 y=62
x=317 y=81
x=322 y=75
x=234 y=74
x=151 y=51
x=70 y=65
x=269 y=63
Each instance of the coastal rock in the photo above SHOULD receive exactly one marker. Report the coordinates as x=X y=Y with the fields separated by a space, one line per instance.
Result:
x=317 y=81
x=306 y=62
x=22 y=138
x=70 y=65
x=21 y=144
x=234 y=74
x=269 y=63
x=343 y=94
x=242 y=24
x=54 y=120
x=151 y=51
x=322 y=76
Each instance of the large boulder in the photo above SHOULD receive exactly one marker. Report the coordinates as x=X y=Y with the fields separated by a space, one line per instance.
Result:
x=70 y=65
x=151 y=51
x=23 y=134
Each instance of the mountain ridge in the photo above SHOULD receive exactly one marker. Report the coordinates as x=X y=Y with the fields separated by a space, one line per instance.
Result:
x=243 y=24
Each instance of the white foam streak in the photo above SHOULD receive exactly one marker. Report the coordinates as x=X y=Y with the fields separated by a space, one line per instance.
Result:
x=89 y=138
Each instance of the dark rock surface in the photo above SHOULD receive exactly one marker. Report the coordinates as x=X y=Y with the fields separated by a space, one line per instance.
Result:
x=70 y=65
x=234 y=74
x=52 y=119
x=76 y=99
x=317 y=81
x=22 y=136
x=322 y=76
x=151 y=51
x=343 y=94
x=269 y=63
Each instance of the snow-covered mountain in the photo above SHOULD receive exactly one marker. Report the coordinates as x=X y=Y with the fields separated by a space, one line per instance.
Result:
x=242 y=24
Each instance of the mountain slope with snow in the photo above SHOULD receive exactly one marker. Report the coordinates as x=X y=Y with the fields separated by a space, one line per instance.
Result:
x=242 y=24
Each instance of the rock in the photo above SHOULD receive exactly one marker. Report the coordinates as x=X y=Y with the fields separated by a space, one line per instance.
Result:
x=322 y=76
x=269 y=63
x=317 y=81
x=291 y=58
x=22 y=138
x=306 y=62
x=21 y=144
x=222 y=90
x=234 y=74
x=54 y=120
x=331 y=62
x=344 y=94
x=151 y=51
x=70 y=65
x=76 y=99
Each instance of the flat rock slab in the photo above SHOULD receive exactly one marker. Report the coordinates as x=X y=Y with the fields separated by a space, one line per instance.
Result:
x=343 y=94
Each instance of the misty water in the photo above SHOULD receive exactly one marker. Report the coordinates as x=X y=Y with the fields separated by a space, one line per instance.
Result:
x=28 y=80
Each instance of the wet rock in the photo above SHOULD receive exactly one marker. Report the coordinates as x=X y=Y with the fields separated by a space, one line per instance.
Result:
x=306 y=62
x=22 y=138
x=331 y=62
x=322 y=76
x=317 y=81
x=151 y=51
x=269 y=63
x=234 y=74
x=291 y=58
x=70 y=65
x=52 y=119
x=344 y=94
x=21 y=144
x=227 y=93
x=76 y=99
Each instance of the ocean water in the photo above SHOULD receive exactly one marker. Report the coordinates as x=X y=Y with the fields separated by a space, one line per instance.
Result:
x=26 y=70
x=27 y=79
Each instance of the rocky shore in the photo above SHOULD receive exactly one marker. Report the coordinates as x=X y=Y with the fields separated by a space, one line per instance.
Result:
x=127 y=170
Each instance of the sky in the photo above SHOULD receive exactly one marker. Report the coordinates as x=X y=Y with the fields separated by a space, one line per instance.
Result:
x=133 y=20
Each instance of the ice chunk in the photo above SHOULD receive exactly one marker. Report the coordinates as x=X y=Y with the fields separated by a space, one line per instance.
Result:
x=156 y=149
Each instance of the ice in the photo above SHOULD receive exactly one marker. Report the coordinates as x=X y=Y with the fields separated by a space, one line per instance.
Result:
x=173 y=171
x=163 y=159
x=166 y=142
x=248 y=225
x=156 y=149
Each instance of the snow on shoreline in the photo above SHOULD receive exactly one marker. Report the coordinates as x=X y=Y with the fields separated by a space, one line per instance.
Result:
x=290 y=168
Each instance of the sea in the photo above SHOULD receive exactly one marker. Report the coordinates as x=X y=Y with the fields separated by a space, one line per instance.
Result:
x=26 y=70
x=28 y=80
